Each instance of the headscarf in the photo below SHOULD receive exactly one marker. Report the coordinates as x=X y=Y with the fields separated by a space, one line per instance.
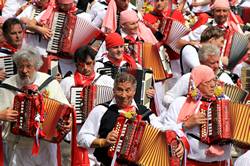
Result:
x=199 y=74
x=143 y=32
x=220 y=4
x=109 y=23
x=113 y=40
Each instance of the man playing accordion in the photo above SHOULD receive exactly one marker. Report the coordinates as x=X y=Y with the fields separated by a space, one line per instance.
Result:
x=20 y=148
x=186 y=112
x=97 y=131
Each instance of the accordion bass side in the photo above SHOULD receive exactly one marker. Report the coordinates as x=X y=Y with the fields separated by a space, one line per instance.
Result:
x=55 y=115
x=245 y=78
x=217 y=129
x=240 y=124
x=235 y=47
x=143 y=144
x=6 y=63
x=70 y=32
x=156 y=61
x=172 y=31
x=85 y=99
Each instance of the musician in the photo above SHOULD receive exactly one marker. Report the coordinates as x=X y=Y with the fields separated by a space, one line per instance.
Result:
x=132 y=29
x=111 y=19
x=209 y=55
x=184 y=112
x=85 y=74
x=220 y=11
x=189 y=53
x=115 y=57
x=28 y=62
x=13 y=35
x=97 y=130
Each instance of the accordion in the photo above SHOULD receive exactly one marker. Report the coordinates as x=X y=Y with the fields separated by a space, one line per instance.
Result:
x=217 y=129
x=245 y=78
x=235 y=93
x=172 y=31
x=235 y=47
x=69 y=33
x=85 y=99
x=35 y=12
x=240 y=124
x=55 y=115
x=6 y=63
x=156 y=60
x=50 y=65
x=143 y=144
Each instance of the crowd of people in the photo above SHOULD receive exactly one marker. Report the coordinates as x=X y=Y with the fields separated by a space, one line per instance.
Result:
x=176 y=54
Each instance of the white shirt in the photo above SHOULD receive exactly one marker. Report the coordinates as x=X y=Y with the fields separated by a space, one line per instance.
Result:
x=243 y=160
x=68 y=82
x=190 y=58
x=10 y=8
x=197 y=149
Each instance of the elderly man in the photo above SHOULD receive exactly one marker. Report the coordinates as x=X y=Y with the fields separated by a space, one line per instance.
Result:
x=186 y=113
x=97 y=132
x=209 y=55
x=20 y=148
x=13 y=34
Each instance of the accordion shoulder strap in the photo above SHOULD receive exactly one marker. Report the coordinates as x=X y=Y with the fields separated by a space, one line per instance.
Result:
x=5 y=51
x=46 y=82
x=195 y=137
x=10 y=87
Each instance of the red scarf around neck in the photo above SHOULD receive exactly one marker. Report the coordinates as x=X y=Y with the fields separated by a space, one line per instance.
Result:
x=10 y=47
x=81 y=80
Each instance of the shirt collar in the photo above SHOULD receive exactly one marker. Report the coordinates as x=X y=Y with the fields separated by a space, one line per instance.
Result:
x=132 y=104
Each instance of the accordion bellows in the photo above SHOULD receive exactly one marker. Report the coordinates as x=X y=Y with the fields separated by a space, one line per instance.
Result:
x=235 y=93
x=240 y=124
x=55 y=115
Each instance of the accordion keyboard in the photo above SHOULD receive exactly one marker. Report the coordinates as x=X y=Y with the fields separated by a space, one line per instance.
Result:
x=57 y=29
x=6 y=62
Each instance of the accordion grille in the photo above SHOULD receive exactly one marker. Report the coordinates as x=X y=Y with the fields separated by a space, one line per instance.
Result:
x=153 y=148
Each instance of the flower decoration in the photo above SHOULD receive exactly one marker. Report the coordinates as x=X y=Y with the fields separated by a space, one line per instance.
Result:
x=219 y=91
x=194 y=93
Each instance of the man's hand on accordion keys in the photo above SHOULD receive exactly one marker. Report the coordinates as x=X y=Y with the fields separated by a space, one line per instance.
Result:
x=8 y=115
x=112 y=137
x=45 y=32
x=150 y=92
x=67 y=125
x=179 y=152
x=194 y=120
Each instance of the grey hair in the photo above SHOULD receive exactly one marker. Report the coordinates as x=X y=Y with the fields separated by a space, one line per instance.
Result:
x=30 y=54
x=125 y=77
x=208 y=50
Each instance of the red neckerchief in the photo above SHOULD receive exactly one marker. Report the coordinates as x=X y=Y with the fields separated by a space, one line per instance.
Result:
x=81 y=80
x=10 y=47
x=131 y=39
x=114 y=61
x=130 y=60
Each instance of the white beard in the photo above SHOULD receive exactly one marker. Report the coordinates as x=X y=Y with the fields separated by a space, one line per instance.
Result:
x=26 y=81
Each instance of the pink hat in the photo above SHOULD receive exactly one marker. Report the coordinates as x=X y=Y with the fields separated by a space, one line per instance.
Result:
x=202 y=74
x=65 y=1
x=220 y=4
x=128 y=16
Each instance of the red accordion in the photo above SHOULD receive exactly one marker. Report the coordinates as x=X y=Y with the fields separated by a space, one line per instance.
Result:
x=217 y=129
x=143 y=144
x=70 y=32
x=52 y=113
